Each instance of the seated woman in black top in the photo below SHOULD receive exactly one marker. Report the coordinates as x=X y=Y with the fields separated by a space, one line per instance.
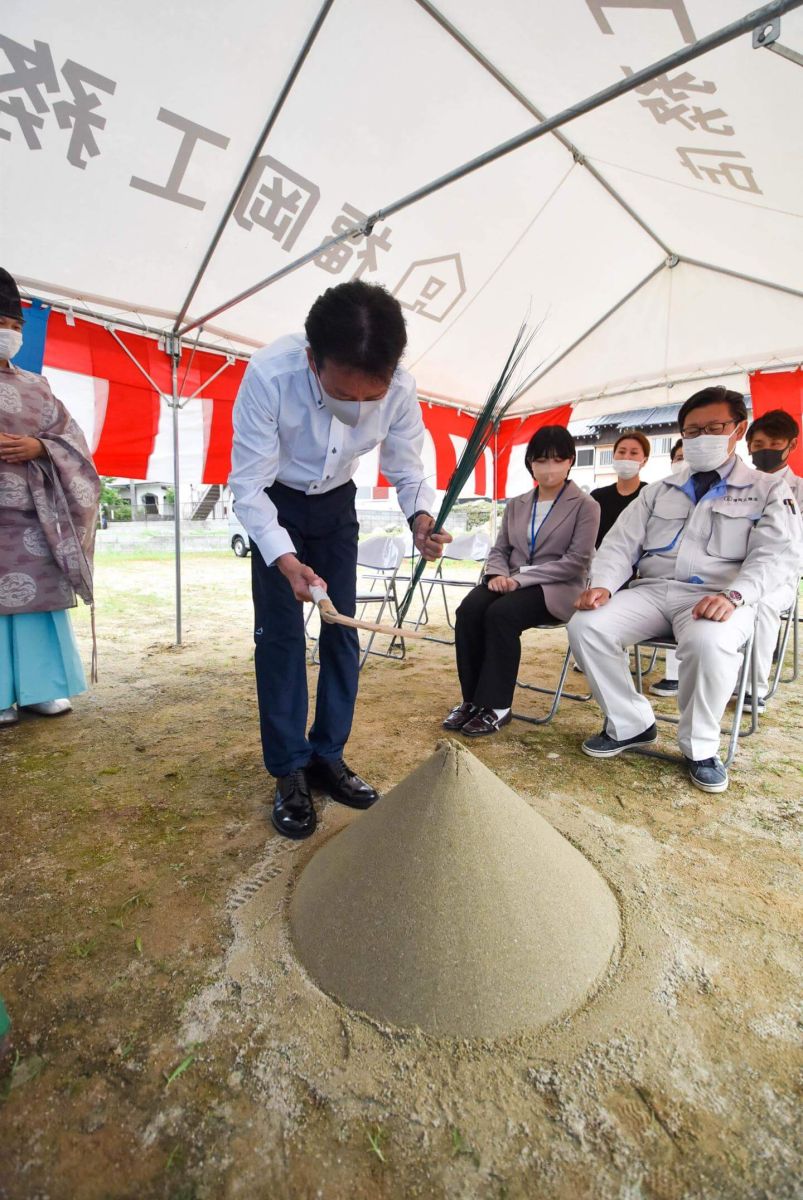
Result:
x=630 y=453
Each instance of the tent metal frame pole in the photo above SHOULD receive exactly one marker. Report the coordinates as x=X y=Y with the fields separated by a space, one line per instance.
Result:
x=766 y=283
x=668 y=263
x=678 y=58
x=536 y=112
x=263 y=137
x=134 y=360
x=151 y=331
x=699 y=377
x=174 y=350
x=494 y=486
x=787 y=52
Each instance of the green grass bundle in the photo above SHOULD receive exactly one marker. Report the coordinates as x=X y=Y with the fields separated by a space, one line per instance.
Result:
x=488 y=420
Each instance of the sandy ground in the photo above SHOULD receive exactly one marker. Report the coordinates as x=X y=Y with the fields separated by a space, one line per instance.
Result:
x=169 y=1044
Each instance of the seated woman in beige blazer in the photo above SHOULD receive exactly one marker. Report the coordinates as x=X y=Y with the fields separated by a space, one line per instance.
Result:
x=536 y=570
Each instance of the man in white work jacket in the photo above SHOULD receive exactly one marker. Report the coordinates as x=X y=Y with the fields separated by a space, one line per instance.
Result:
x=706 y=543
x=309 y=406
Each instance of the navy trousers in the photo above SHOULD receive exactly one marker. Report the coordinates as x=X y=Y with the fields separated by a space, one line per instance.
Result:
x=324 y=530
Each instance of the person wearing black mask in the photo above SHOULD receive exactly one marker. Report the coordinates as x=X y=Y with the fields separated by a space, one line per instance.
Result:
x=770 y=441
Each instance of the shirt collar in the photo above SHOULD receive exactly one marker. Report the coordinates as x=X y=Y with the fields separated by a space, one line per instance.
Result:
x=717 y=489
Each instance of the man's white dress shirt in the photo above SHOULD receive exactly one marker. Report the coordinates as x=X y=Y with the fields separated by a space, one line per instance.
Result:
x=283 y=433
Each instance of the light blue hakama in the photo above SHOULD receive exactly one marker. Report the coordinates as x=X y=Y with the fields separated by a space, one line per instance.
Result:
x=39 y=658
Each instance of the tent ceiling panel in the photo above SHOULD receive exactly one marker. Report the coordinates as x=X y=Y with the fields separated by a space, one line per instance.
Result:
x=699 y=202
x=693 y=319
x=381 y=107
x=462 y=304
x=90 y=227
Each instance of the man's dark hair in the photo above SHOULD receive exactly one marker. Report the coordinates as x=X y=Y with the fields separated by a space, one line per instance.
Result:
x=358 y=325
x=551 y=441
x=673 y=453
x=776 y=424
x=714 y=395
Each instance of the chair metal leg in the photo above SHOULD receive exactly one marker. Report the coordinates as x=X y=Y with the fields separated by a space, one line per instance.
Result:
x=795 y=641
x=783 y=643
x=556 y=696
x=749 y=666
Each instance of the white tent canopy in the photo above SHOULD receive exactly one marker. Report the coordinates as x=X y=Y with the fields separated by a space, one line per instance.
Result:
x=675 y=208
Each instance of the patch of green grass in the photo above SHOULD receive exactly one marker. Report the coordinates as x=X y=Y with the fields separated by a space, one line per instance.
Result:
x=85 y=948
x=461 y=1147
x=376 y=1137
x=183 y=1066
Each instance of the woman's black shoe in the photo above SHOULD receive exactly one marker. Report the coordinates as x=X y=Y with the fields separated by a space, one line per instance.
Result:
x=460 y=715
x=485 y=722
x=293 y=813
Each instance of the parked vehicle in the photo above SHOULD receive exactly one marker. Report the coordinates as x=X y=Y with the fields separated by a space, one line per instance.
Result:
x=240 y=542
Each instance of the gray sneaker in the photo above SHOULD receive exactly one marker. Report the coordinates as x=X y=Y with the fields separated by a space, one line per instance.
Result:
x=708 y=774
x=9 y=716
x=604 y=746
x=664 y=687
x=761 y=703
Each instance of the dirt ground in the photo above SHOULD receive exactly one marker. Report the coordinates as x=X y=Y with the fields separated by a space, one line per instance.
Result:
x=169 y=1044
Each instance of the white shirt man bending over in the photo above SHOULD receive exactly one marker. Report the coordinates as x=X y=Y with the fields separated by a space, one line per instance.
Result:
x=308 y=408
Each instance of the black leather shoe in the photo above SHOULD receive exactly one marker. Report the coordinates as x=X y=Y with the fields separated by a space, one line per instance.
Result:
x=338 y=780
x=459 y=715
x=293 y=812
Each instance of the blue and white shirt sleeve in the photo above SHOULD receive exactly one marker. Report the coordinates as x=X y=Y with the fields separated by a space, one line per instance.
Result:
x=255 y=462
x=400 y=457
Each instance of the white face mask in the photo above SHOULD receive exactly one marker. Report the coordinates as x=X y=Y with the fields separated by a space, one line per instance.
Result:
x=347 y=411
x=677 y=466
x=10 y=342
x=706 y=452
x=549 y=474
x=626 y=468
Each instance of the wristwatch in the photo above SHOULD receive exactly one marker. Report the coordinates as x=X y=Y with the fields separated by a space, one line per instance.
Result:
x=736 y=598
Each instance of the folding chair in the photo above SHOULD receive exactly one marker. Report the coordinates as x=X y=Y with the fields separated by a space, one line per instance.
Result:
x=474 y=546
x=557 y=693
x=748 y=668
x=789 y=625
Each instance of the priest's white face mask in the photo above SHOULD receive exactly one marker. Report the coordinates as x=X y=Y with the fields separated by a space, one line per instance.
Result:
x=10 y=342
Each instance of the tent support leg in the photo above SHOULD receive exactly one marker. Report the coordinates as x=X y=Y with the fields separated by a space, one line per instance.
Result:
x=174 y=349
x=494 y=488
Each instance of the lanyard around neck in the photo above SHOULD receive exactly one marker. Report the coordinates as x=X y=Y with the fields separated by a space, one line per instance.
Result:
x=535 y=532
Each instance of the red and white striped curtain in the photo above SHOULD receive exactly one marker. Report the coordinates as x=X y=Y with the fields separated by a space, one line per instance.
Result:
x=129 y=425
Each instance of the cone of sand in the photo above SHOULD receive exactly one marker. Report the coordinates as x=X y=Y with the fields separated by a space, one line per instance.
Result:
x=454 y=907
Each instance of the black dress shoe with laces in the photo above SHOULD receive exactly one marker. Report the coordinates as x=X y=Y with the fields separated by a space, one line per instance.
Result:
x=334 y=777
x=293 y=812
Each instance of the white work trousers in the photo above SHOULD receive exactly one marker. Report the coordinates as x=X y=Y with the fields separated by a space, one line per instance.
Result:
x=768 y=622
x=708 y=657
